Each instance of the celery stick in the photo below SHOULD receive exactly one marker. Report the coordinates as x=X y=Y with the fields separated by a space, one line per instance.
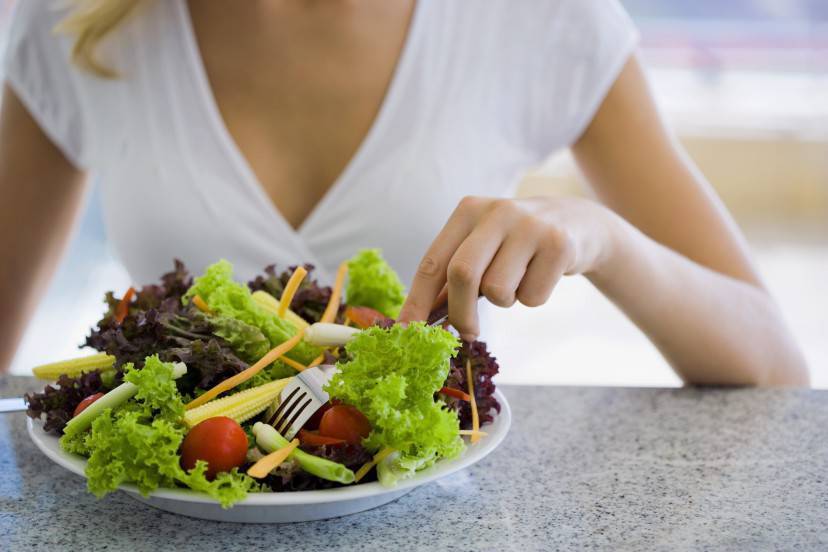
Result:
x=114 y=398
x=269 y=439
x=323 y=334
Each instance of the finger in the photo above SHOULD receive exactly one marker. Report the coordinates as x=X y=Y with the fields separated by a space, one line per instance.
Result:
x=440 y=307
x=441 y=300
x=465 y=271
x=504 y=274
x=542 y=275
x=431 y=272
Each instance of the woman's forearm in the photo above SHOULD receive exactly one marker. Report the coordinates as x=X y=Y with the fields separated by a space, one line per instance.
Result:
x=40 y=196
x=712 y=328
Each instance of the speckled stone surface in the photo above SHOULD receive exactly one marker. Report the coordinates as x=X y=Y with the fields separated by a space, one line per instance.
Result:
x=582 y=468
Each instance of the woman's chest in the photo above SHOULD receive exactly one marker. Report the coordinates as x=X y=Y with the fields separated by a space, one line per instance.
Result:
x=299 y=86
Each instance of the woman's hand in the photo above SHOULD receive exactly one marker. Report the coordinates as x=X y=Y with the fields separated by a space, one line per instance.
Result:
x=508 y=250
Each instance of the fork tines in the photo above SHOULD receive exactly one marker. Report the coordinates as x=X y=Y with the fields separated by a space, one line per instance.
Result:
x=289 y=411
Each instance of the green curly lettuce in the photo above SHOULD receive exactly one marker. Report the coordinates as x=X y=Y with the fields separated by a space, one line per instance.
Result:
x=228 y=298
x=157 y=393
x=392 y=378
x=373 y=283
x=246 y=341
x=138 y=442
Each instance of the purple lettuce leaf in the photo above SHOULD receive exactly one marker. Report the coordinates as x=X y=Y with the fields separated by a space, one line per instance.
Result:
x=57 y=402
x=484 y=367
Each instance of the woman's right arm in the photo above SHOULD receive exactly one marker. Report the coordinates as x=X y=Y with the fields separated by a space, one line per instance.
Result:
x=40 y=196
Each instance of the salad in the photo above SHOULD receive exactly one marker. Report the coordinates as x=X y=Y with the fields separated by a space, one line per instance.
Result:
x=189 y=373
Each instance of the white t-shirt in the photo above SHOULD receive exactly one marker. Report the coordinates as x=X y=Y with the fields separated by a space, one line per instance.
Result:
x=483 y=91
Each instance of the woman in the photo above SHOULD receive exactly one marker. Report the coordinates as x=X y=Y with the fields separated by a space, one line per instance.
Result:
x=300 y=130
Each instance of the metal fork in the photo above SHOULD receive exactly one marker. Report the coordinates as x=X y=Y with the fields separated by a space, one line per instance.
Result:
x=300 y=399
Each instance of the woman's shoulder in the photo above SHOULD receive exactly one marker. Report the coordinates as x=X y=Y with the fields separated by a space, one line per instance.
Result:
x=36 y=65
x=551 y=61
x=33 y=22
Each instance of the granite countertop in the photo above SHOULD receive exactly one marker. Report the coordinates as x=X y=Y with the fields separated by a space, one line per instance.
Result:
x=582 y=468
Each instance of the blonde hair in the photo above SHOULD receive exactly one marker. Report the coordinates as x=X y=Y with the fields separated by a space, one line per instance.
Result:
x=89 y=22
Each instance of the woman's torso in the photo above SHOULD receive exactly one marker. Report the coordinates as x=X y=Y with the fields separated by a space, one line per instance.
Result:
x=477 y=96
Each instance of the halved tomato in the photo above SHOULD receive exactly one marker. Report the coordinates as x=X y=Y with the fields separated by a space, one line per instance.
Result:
x=364 y=317
x=313 y=439
x=343 y=421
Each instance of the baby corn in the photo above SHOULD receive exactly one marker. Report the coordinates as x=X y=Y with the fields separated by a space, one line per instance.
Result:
x=73 y=367
x=269 y=303
x=238 y=406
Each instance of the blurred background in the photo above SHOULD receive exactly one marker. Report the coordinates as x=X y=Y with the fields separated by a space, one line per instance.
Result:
x=744 y=83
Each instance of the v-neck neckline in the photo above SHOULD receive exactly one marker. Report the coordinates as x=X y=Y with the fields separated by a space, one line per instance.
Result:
x=240 y=162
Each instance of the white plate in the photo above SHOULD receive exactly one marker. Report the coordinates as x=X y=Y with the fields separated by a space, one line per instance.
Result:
x=292 y=506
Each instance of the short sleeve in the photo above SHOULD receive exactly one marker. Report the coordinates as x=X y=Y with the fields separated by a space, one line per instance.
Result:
x=36 y=66
x=587 y=44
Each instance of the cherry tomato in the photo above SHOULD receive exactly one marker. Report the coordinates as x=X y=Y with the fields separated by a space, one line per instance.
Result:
x=220 y=441
x=343 y=421
x=314 y=439
x=86 y=402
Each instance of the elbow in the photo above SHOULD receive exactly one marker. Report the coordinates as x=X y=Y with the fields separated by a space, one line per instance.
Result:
x=790 y=371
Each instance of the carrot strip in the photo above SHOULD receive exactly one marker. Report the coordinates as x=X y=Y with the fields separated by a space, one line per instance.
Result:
x=290 y=289
x=122 y=308
x=366 y=467
x=472 y=433
x=347 y=321
x=270 y=462
x=317 y=361
x=475 y=417
x=201 y=304
x=456 y=393
x=245 y=375
x=298 y=366
x=333 y=305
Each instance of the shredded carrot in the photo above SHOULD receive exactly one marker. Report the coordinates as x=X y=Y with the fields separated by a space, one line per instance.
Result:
x=456 y=393
x=472 y=433
x=347 y=321
x=245 y=375
x=317 y=361
x=475 y=417
x=270 y=462
x=298 y=366
x=290 y=290
x=366 y=467
x=201 y=304
x=333 y=305
x=122 y=308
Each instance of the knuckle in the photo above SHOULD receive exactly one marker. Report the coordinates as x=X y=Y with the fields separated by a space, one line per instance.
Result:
x=557 y=240
x=470 y=203
x=532 y=298
x=428 y=268
x=503 y=208
x=529 y=225
x=498 y=294
x=461 y=272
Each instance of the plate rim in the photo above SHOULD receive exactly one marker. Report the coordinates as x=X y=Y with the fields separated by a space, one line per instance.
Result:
x=499 y=428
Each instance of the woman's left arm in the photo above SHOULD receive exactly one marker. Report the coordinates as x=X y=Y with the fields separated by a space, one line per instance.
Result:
x=661 y=246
